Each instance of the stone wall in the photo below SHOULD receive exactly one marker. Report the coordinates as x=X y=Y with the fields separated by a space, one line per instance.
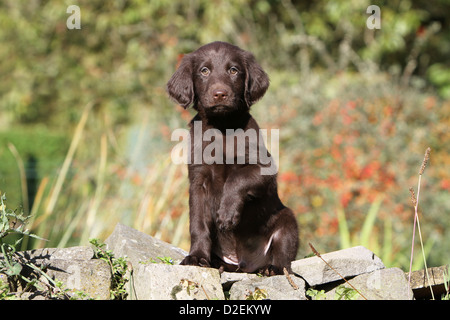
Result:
x=152 y=276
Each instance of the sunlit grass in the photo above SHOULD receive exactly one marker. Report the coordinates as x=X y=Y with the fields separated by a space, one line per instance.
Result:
x=77 y=206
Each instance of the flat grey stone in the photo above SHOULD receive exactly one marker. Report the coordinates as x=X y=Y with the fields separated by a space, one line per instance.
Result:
x=274 y=288
x=92 y=277
x=421 y=287
x=229 y=278
x=73 y=266
x=347 y=262
x=138 y=246
x=175 y=282
x=75 y=253
x=382 y=284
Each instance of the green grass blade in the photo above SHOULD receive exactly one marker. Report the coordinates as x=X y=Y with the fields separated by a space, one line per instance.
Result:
x=344 y=232
x=369 y=222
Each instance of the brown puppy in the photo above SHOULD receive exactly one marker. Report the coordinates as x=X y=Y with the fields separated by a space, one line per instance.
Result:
x=237 y=221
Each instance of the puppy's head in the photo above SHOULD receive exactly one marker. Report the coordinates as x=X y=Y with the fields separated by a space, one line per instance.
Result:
x=218 y=78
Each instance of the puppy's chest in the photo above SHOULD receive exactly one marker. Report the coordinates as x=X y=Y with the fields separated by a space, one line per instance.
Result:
x=236 y=148
x=210 y=145
x=214 y=178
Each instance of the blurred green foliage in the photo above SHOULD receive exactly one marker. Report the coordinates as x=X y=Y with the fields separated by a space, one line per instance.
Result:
x=356 y=110
x=125 y=50
x=42 y=152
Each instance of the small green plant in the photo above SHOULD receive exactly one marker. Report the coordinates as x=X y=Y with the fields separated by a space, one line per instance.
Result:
x=345 y=293
x=12 y=222
x=21 y=275
x=164 y=260
x=258 y=294
x=341 y=293
x=5 y=292
x=119 y=267
x=315 y=294
x=60 y=292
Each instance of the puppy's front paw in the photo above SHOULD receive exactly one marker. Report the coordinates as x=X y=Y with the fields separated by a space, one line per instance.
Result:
x=192 y=260
x=272 y=270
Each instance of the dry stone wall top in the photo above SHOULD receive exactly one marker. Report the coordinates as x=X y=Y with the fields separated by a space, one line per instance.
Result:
x=160 y=281
x=156 y=274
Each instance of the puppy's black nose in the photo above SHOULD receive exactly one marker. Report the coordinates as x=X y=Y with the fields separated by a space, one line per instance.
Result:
x=220 y=95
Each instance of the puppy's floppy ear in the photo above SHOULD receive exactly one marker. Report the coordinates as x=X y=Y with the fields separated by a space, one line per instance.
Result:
x=256 y=80
x=180 y=87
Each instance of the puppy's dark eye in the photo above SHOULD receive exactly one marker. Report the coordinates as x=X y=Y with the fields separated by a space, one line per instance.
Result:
x=204 y=71
x=233 y=71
